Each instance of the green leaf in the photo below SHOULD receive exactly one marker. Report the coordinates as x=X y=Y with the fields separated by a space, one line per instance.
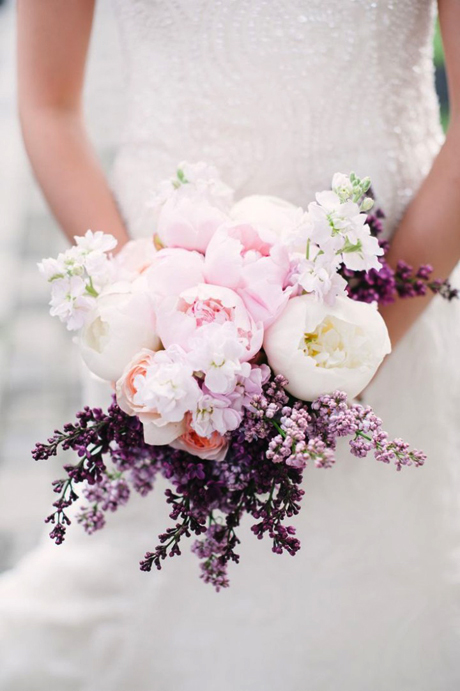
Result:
x=349 y=247
x=181 y=176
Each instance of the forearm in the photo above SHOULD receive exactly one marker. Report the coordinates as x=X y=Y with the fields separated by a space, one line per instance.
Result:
x=429 y=232
x=69 y=173
x=53 y=38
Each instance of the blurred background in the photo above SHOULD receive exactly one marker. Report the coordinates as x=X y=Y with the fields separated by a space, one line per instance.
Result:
x=39 y=370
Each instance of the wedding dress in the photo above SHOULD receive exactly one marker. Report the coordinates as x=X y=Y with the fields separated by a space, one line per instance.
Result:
x=279 y=96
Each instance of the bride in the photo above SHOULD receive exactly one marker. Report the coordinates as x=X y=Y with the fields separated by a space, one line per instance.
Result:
x=279 y=96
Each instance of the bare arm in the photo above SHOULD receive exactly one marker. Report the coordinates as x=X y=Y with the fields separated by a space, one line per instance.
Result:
x=53 y=38
x=430 y=230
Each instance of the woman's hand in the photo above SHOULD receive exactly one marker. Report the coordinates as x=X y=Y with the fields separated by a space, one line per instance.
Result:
x=53 y=37
x=430 y=230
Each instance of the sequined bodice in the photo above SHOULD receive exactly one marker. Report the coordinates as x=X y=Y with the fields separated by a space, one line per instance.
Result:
x=278 y=95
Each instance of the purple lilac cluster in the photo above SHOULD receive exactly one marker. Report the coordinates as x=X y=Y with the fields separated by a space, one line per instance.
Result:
x=334 y=419
x=95 y=436
x=110 y=493
x=260 y=476
x=211 y=502
x=386 y=284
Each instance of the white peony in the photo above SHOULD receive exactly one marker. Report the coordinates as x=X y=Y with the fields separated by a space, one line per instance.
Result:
x=321 y=348
x=123 y=324
x=274 y=213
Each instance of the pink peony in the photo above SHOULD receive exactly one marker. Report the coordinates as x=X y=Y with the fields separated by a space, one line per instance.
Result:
x=181 y=318
x=188 y=223
x=251 y=262
x=174 y=270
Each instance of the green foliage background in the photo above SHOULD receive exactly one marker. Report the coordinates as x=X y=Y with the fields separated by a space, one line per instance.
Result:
x=441 y=77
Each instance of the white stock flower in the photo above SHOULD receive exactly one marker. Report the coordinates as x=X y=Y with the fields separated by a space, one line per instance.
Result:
x=51 y=268
x=333 y=221
x=95 y=242
x=77 y=276
x=207 y=181
x=168 y=387
x=198 y=182
x=320 y=277
x=340 y=227
x=342 y=185
x=70 y=302
x=363 y=256
x=67 y=264
x=122 y=324
x=216 y=352
x=321 y=348
x=214 y=413
x=99 y=269
x=159 y=387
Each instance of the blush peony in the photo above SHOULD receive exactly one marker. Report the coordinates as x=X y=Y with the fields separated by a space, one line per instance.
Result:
x=188 y=223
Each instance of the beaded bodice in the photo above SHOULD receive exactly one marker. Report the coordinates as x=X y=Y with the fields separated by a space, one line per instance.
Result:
x=278 y=95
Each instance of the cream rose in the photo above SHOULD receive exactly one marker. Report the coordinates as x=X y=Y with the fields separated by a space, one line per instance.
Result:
x=321 y=348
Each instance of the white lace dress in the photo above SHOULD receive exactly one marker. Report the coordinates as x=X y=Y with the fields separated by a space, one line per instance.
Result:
x=279 y=95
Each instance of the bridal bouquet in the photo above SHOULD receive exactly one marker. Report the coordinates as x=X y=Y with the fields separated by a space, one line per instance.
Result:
x=234 y=337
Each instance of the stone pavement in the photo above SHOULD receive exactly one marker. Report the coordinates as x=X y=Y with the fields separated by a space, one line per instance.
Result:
x=39 y=368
